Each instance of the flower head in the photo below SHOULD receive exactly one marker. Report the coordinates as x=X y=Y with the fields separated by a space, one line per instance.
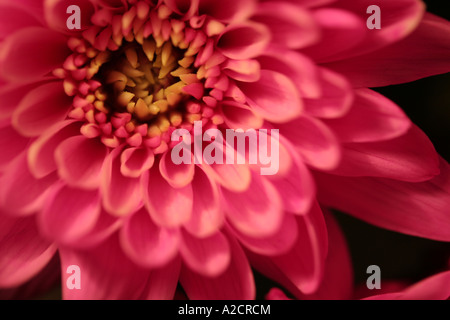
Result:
x=88 y=118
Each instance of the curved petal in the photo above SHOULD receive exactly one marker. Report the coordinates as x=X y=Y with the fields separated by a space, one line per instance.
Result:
x=209 y=256
x=41 y=108
x=80 y=160
x=340 y=32
x=297 y=188
x=273 y=89
x=178 y=176
x=207 y=215
x=279 y=243
x=424 y=53
x=296 y=66
x=121 y=195
x=336 y=96
x=419 y=209
x=410 y=157
x=169 y=207
x=21 y=193
x=24 y=252
x=371 y=118
x=162 y=283
x=301 y=269
x=136 y=161
x=258 y=212
x=239 y=116
x=147 y=244
x=11 y=145
x=41 y=154
x=243 y=41
x=69 y=214
x=315 y=142
x=235 y=283
x=404 y=16
x=102 y=273
x=436 y=287
x=13 y=18
x=291 y=26
x=337 y=283
x=49 y=50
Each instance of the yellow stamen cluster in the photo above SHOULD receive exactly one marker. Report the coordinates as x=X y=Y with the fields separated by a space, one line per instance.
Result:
x=145 y=81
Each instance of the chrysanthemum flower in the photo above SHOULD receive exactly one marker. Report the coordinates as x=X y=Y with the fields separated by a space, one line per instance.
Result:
x=86 y=123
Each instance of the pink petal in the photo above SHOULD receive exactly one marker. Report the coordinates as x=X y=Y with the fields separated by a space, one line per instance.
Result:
x=14 y=18
x=11 y=144
x=41 y=108
x=256 y=213
x=207 y=215
x=103 y=270
x=240 y=116
x=315 y=142
x=178 y=176
x=297 y=188
x=105 y=226
x=162 y=283
x=136 y=161
x=336 y=97
x=41 y=158
x=436 y=287
x=48 y=48
x=24 y=252
x=242 y=70
x=230 y=11
x=404 y=16
x=235 y=283
x=186 y=8
x=296 y=66
x=169 y=207
x=209 y=256
x=21 y=193
x=291 y=26
x=121 y=195
x=279 y=243
x=80 y=160
x=341 y=31
x=273 y=89
x=234 y=177
x=244 y=41
x=424 y=53
x=337 y=283
x=301 y=269
x=11 y=94
x=419 y=209
x=147 y=244
x=410 y=157
x=372 y=118
x=69 y=214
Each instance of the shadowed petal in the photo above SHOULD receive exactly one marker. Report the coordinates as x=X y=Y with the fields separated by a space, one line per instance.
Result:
x=24 y=252
x=235 y=283
x=419 y=209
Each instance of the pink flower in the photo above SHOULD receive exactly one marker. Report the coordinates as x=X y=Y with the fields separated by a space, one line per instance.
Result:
x=86 y=122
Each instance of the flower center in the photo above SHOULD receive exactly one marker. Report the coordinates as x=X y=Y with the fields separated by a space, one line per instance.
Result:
x=145 y=82
x=141 y=77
